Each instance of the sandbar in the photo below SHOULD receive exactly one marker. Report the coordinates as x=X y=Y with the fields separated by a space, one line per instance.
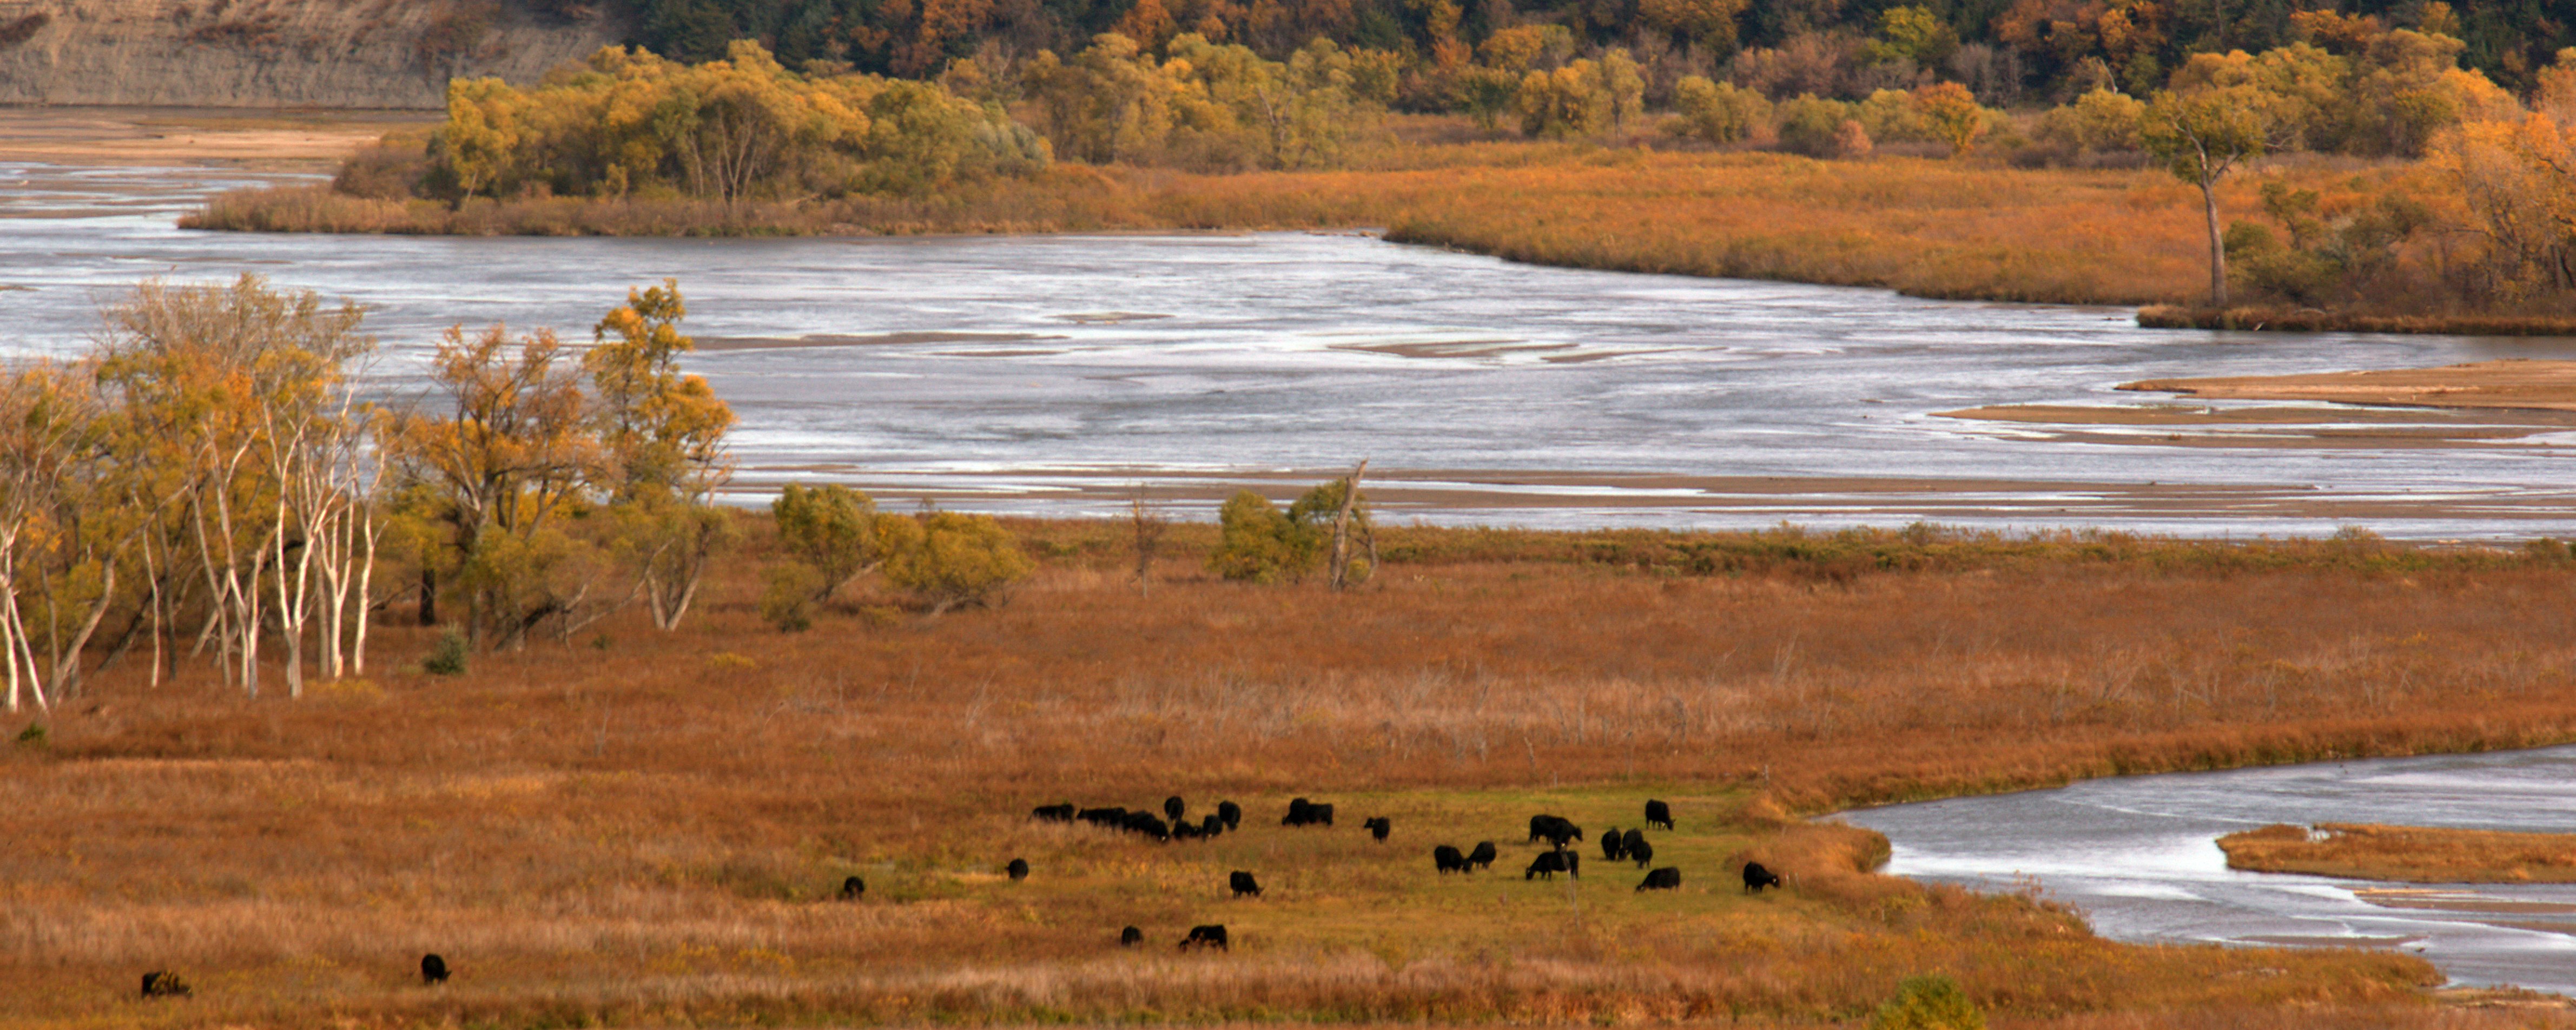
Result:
x=2512 y=383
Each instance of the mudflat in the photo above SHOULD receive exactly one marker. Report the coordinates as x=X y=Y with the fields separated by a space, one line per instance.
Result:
x=2509 y=383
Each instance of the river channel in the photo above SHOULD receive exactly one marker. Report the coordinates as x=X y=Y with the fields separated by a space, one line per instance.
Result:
x=1051 y=375
x=2137 y=855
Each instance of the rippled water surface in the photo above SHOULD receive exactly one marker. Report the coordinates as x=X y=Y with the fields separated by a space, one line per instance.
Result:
x=1037 y=373
x=2138 y=856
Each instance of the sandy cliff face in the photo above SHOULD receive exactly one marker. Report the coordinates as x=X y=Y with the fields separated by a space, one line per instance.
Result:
x=277 y=53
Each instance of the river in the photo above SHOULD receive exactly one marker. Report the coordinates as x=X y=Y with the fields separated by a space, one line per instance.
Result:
x=1048 y=374
x=2137 y=855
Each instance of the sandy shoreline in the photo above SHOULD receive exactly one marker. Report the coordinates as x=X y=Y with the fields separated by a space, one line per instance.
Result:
x=2512 y=383
x=302 y=141
x=1497 y=496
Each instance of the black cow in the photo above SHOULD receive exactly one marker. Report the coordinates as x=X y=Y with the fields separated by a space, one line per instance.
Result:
x=1632 y=841
x=1144 y=823
x=1211 y=826
x=1446 y=858
x=1172 y=808
x=1545 y=866
x=1573 y=863
x=1130 y=937
x=1642 y=852
x=1379 y=827
x=1053 y=813
x=852 y=887
x=157 y=984
x=1019 y=869
x=1205 y=937
x=1184 y=831
x=1102 y=816
x=1659 y=815
x=1664 y=879
x=1243 y=883
x=433 y=969
x=1483 y=856
x=1554 y=830
x=1302 y=812
x=1756 y=878
x=1613 y=846
x=1230 y=812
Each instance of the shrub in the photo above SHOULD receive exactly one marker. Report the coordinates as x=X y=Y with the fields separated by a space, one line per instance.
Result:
x=1258 y=542
x=788 y=603
x=1719 y=112
x=389 y=169
x=447 y=656
x=1928 y=1003
x=947 y=560
x=831 y=530
x=33 y=736
x=1810 y=125
x=1851 y=141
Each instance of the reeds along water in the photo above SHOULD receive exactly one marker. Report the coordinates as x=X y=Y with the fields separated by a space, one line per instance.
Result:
x=658 y=823
x=1932 y=228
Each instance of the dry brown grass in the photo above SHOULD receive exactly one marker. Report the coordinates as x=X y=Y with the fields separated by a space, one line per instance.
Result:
x=1926 y=227
x=2407 y=854
x=646 y=828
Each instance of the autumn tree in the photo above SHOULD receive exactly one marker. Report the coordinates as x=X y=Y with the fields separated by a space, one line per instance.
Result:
x=948 y=560
x=1952 y=114
x=2201 y=136
x=832 y=530
x=662 y=437
x=1718 y=112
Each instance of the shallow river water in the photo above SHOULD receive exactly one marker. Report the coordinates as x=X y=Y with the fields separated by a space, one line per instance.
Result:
x=1045 y=374
x=2138 y=856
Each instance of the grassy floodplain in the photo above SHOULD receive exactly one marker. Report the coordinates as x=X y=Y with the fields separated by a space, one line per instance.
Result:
x=1934 y=228
x=2408 y=854
x=635 y=827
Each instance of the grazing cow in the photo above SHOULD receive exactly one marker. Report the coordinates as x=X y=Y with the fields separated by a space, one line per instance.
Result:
x=1664 y=879
x=1642 y=852
x=1446 y=858
x=1172 y=808
x=1102 y=816
x=1756 y=878
x=1302 y=812
x=1230 y=812
x=1204 y=937
x=1184 y=831
x=433 y=969
x=1635 y=839
x=1659 y=814
x=1554 y=830
x=1613 y=846
x=157 y=984
x=1379 y=827
x=1130 y=937
x=1145 y=823
x=1483 y=857
x=1053 y=813
x=1545 y=866
x=1573 y=863
x=1211 y=826
x=1019 y=869
x=852 y=887
x=1243 y=883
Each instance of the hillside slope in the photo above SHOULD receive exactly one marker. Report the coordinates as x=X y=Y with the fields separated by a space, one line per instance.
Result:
x=277 y=53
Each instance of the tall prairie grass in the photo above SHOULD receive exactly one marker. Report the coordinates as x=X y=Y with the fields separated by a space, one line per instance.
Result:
x=649 y=828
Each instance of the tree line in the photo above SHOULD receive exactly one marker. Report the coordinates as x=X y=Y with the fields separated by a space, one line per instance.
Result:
x=216 y=481
x=2011 y=52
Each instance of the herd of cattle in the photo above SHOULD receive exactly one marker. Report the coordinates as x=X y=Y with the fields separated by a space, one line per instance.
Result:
x=1557 y=832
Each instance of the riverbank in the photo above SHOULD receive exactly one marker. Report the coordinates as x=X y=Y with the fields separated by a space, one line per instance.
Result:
x=1943 y=229
x=2511 y=384
x=652 y=826
x=2404 y=854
